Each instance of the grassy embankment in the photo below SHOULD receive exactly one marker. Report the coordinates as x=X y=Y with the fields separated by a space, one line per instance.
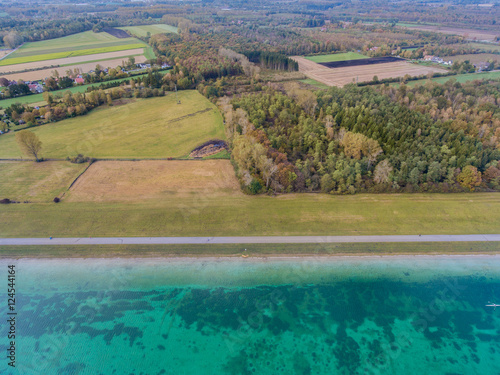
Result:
x=151 y=128
x=252 y=250
x=208 y=214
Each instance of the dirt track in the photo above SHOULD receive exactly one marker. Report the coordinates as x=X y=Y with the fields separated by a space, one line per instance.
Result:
x=363 y=73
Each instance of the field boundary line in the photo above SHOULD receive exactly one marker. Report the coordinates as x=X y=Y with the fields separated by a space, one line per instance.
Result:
x=14 y=50
x=77 y=177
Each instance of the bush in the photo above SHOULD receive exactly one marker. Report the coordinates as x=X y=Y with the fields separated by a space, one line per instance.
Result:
x=79 y=159
x=57 y=200
x=5 y=201
x=255 y=187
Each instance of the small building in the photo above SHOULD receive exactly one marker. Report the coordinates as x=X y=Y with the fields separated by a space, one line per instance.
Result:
x=35 y=87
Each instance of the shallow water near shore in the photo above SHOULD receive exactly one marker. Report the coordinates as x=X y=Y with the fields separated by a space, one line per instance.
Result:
x=336 y=315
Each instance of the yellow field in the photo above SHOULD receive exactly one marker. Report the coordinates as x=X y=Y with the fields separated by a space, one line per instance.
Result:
x=362 y=73
x=118 y=181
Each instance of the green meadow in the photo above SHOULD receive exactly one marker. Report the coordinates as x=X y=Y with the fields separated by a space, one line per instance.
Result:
x=143 y=128
x=336 y=57
x=36 y=182
x=314 y=83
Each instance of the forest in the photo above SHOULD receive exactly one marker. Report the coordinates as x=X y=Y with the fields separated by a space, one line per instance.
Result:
x=356 y=140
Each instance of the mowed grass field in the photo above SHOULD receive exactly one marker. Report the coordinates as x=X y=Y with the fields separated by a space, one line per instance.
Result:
x=143 y=128
x=36 y=182
x=152 y=29
x=336 y=57
x=130 y=181
x=207 y=214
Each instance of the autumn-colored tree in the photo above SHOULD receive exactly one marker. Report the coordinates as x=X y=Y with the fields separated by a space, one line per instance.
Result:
x=357 y=145
x=29 y=143
x=469 y=177
x=382 y=172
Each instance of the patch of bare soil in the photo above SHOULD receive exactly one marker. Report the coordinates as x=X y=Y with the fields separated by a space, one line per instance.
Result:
x=208 y=148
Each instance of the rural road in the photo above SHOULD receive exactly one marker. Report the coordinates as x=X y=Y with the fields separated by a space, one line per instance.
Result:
x=245 y=240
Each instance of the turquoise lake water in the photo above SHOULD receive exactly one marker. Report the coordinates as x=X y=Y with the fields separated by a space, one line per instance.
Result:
x=342 y=315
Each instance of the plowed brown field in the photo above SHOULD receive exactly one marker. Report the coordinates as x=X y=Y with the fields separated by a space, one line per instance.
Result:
x=362 y=73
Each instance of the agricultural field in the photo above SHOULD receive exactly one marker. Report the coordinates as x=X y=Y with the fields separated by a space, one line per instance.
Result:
x=84 y=67
x=336 y=57
x=127 y=181
x=362 y=73
x=469 y=34
x=143 y=30
x=75 y=59
x=144 y=128
x=77 y=50
x=75 y=42
x=481 y=46
x=36 y=182
x=205 y=214
x=71 y=57
x=461 y=78
x=474 y=58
